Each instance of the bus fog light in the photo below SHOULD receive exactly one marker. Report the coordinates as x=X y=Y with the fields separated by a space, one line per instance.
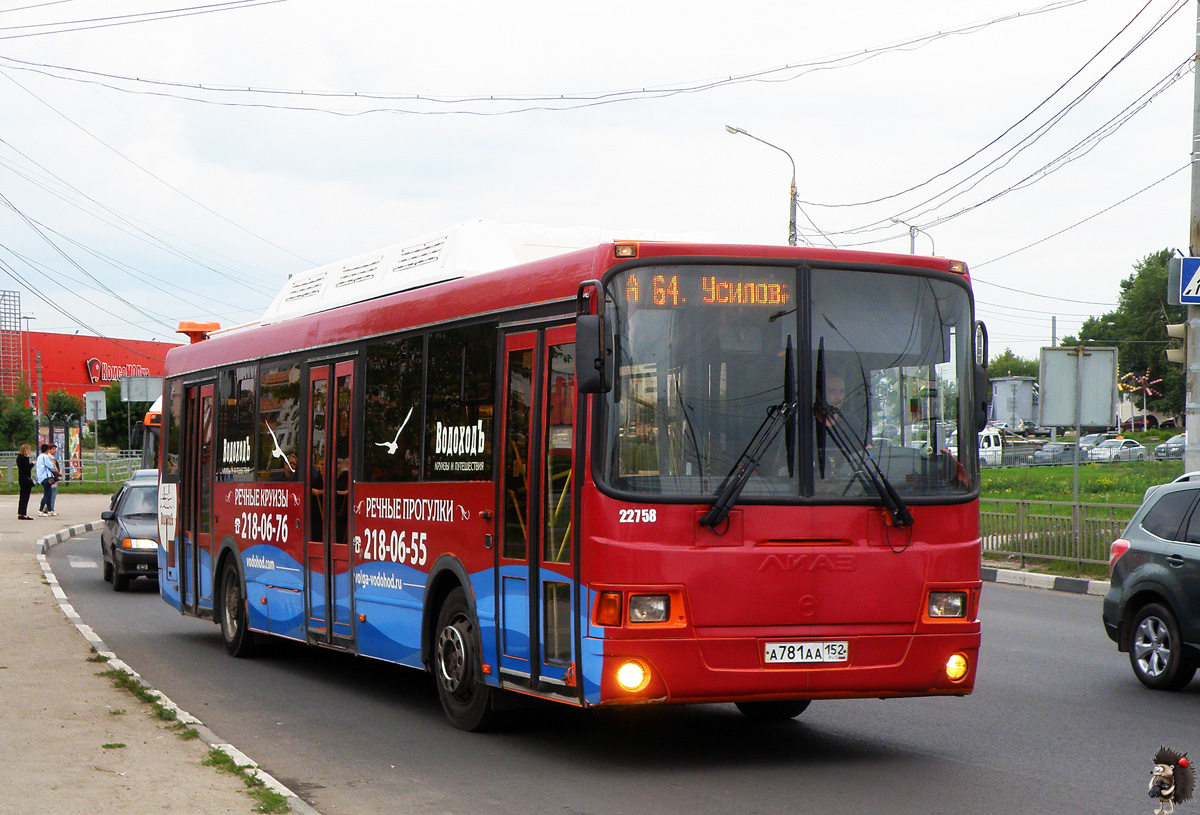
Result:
x=957 y=667
x=649 y=608
x=947 y=604
x=633 y=676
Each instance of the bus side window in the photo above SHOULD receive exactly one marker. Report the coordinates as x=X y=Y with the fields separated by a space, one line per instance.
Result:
x=392 y=416
x=278 y=422
x=458 y=418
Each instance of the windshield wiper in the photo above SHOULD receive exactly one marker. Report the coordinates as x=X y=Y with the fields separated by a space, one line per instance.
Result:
x=830 y=420
x=776 y=418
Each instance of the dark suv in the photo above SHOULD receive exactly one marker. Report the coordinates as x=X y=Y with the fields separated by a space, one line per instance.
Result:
x=1152 y=609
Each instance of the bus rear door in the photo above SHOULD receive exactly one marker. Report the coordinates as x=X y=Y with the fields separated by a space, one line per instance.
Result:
x=536 y=562
x=195 y=500
x=327 y=481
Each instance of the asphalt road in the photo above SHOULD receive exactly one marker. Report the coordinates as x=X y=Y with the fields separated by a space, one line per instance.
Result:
x=1057 y=724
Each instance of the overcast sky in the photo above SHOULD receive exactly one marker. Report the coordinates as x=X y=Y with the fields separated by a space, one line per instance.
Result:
x=181 y=167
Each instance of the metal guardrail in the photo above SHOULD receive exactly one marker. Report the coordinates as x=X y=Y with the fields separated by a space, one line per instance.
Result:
x=1052 y=530
x=112 y=467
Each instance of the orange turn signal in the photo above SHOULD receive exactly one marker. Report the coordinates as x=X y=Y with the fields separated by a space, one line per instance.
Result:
x=608 y=608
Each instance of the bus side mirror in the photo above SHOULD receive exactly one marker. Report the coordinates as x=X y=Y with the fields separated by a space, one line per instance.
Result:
x=980 y=403
x=593 y=356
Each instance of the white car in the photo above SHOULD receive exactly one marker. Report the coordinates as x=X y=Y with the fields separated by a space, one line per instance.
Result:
x=1117 y=450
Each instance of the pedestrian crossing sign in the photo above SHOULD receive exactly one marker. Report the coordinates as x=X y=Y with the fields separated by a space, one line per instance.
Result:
x=1189 y=281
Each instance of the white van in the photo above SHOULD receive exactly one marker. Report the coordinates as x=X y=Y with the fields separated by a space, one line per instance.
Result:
x=991 y=447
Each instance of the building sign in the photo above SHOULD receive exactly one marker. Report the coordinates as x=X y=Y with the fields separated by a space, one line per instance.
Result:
x=98 y=371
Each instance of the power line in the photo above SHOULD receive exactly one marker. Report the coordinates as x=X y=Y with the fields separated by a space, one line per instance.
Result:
x=517 y=102
x=999 y=137
x=157 y=178
x=1072 y=226
x=122 y=19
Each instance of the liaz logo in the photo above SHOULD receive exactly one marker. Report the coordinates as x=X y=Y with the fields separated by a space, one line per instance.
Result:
x=808 y=563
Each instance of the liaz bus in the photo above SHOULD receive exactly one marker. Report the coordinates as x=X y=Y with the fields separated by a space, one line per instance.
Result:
x=636 y=472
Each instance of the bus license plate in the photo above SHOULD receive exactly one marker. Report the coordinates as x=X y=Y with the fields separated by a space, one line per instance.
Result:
x=777 y=652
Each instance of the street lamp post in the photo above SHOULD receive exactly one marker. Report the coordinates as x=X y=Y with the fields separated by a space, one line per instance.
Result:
x=792 y=199
x=912 y=237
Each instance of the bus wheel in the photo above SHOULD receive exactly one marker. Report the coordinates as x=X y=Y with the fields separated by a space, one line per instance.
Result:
x=239 y=641
x=772 y=711
x=466 y=700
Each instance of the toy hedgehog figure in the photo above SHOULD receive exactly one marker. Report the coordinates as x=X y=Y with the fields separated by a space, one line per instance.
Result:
x=1172 y=781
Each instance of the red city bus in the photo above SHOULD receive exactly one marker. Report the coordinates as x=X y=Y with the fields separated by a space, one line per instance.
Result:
x=636 y=472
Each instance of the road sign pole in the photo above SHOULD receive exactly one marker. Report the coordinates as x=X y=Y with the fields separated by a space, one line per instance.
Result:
x=1191 y=449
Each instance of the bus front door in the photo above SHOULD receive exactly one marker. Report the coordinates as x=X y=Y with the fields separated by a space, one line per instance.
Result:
x=195 y=530
x=536 y=557
x=327 y=482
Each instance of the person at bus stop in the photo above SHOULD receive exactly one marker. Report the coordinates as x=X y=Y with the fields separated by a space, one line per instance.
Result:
x=25 y=481
x=47 y=474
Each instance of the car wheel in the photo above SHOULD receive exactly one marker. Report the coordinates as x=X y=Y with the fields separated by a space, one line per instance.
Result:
x=1141 y=456
x=239 y=641
x=466 y=699
x=106 y=567
x=1156 y=650
x=120 y=582
x=772 y=711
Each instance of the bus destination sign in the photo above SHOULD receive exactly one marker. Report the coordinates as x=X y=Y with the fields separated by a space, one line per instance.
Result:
x=707 y=290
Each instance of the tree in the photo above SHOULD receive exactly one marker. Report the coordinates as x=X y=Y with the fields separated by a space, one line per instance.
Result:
x=1009 y=364
x=121 y=418
x=17 y=425
x=1138 y=330
x=63 y=404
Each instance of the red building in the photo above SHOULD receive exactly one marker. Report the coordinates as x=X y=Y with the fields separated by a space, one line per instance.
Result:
x=76 y=363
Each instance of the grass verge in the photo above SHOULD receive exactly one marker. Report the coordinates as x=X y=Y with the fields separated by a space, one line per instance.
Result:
x=1124 y=482
x=268 y=800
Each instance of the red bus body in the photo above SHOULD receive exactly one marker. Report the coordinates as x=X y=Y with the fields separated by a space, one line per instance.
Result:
x=279 y=516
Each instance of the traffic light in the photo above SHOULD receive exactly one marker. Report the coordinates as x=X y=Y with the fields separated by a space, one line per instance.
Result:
x=1179 y=331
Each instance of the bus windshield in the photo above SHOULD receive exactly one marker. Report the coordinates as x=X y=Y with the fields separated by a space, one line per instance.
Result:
x=702 y=355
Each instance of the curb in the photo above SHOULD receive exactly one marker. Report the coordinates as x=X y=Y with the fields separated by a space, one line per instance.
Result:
x=210 y=738
x=1072 y=585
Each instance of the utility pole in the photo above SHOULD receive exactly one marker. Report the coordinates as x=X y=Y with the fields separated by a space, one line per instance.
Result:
x=1191 y=454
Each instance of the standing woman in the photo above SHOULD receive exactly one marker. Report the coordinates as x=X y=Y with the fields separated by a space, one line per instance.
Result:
x=46 y=473
x=25 y=480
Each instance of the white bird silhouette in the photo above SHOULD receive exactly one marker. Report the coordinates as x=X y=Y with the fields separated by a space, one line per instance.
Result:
x=393 y=444
x=278 y=451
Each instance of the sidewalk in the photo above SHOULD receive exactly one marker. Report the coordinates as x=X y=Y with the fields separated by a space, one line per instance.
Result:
x=57 y=714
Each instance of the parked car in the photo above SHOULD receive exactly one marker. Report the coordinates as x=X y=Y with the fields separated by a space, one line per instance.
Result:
x=1140 y=423
x=1057 y=452
x=1118 y=450
x=1152 y=608
x=1086 y=443
x=1171 y=448
x=129 y=537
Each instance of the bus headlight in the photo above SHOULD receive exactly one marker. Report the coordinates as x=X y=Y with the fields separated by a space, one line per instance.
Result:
x=956 y=667
x=633 y=676
x=649 y=608
x=943 y=604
